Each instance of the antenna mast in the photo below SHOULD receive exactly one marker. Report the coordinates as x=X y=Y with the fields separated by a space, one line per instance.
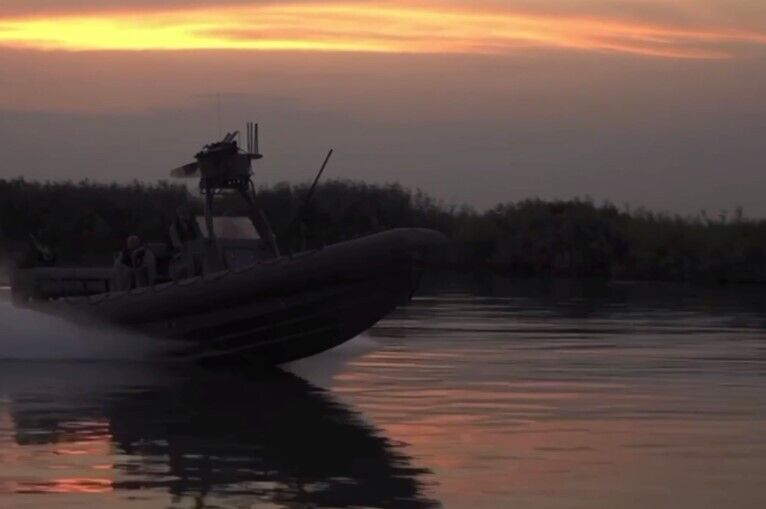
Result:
x=218 y=108
x=252 y=140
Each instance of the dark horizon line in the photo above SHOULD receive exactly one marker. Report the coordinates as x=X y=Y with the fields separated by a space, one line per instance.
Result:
x=724 y=215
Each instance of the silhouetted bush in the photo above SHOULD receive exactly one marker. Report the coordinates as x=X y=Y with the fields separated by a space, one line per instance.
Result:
x=87 y=222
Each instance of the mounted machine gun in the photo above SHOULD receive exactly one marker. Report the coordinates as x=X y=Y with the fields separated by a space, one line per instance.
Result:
x=223 y=167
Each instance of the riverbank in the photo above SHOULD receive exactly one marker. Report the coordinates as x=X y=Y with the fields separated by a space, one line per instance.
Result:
x=87 y=222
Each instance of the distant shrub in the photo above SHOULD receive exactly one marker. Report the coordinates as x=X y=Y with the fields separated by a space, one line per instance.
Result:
x=87 y=221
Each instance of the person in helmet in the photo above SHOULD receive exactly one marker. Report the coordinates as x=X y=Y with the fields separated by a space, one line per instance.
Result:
x=136 y=265
x=188 y=244
x=184 y=228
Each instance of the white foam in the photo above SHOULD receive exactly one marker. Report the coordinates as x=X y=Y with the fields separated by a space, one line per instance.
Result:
x=322 y=368
x=28 y=335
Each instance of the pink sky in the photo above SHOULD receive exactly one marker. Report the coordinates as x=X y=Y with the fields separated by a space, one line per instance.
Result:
x=654 y=103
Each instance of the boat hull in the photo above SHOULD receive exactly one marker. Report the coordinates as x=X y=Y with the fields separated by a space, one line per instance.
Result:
x=275 y=312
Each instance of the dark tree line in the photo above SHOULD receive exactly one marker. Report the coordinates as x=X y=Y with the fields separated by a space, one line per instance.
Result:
x=87 y=222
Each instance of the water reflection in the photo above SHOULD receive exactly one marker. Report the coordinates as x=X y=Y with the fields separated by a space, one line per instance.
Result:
x=577 y=298
x=515 y=402
x=564 y=400
x=151 y=436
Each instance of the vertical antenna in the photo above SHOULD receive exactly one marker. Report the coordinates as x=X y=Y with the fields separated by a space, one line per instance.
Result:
x=249 y=138
x=255 y=139
x=218 y=101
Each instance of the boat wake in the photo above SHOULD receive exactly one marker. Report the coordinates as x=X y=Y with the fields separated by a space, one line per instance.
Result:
x=321 y=369
x=28 y=335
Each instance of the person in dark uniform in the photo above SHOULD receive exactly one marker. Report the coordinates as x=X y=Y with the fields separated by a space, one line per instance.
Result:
x=36 y=255
x=136 y=265
x=184 y=229
x=188 y=244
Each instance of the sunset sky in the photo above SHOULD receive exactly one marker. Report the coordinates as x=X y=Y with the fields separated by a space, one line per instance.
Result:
x=641 y=102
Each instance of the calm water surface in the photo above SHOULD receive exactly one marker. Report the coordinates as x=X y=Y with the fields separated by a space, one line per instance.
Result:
x=618 y=397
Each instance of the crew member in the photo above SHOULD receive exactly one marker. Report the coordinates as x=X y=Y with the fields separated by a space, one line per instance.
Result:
x=136 y=265
x=184 y=229
x=188 y=243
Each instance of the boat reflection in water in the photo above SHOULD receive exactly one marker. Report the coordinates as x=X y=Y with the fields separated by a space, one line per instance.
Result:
x=149 y=437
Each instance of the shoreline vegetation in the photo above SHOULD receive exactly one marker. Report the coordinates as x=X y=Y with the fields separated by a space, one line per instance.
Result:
x=87 y=222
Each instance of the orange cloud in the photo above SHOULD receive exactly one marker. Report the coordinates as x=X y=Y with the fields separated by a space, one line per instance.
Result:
x=365 y=27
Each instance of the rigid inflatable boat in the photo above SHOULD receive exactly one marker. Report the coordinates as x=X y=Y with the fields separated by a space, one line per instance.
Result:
x=225 y=296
